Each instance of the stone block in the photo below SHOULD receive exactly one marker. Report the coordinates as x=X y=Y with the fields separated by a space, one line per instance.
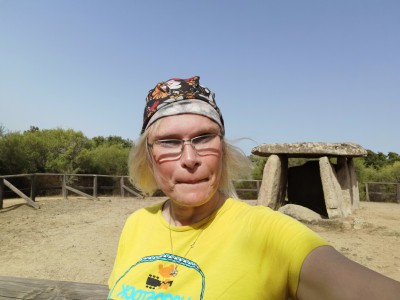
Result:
x=355 y=193
x=344 y=179
x=300 y=213
x=332 y=190
x=273 y=187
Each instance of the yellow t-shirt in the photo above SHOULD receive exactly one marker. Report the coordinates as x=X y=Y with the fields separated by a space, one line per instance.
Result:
x=240 y=252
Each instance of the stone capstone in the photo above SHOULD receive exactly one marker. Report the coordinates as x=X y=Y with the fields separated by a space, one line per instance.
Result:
x=310 y=149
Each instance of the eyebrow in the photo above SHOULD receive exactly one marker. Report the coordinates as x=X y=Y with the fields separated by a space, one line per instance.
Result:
x=203 y=131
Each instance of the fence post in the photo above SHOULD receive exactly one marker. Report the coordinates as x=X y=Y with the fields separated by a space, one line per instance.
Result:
x=398 y=193
x=366 y=192
x=95 y=186
x=1 y=192
x=121 y=183
x=33 y=187
x=64 y=186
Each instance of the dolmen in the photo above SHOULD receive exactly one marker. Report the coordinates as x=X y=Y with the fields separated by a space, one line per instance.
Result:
x=325 y=186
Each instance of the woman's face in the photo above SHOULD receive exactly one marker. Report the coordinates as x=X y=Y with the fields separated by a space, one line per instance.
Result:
x=193 y=178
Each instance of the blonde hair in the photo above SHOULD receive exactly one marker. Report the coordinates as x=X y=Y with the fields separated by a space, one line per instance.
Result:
x=235 y=165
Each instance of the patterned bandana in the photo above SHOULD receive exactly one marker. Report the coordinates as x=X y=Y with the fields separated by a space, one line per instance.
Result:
x=180 y=96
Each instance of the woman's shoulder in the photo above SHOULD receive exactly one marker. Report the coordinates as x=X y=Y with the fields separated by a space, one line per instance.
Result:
x=244 y=206
x=264 y=221
x=256 y=213
x=145 y=213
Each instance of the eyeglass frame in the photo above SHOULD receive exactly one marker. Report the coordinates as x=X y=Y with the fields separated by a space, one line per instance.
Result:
x=183 y=142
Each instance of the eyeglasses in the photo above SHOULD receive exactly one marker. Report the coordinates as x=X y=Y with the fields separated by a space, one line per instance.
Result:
x=170 y=149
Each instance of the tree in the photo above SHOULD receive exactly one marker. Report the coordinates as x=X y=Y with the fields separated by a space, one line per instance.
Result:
x=112 y=140
x=33 y=129
x=37 y=151
x=258 y=166
x=64 y=147
x=375 y=160
x=3 y=131
x=13 y=155
x=104 y=159
x=393 y=157
x=390 y=173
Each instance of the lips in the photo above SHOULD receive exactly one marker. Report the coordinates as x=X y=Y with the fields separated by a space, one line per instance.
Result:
x=191 y=181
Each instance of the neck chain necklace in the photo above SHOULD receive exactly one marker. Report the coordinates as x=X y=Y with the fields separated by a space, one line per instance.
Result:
x=174 y=272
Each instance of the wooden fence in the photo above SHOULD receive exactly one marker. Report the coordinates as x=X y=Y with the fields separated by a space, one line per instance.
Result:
x=382 y=191
x=66 y=186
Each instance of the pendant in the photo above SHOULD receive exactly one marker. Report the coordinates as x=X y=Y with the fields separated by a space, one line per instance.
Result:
x=174 y=272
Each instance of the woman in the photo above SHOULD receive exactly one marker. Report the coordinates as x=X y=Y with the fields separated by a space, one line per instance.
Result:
x=202 y=243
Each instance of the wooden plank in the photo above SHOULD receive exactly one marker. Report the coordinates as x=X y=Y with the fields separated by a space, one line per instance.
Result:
x=40 y=289
x=21 y=194
x=79 y=192
x=132 y=191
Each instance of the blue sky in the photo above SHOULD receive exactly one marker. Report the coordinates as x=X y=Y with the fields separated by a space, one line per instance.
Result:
x=282 y=71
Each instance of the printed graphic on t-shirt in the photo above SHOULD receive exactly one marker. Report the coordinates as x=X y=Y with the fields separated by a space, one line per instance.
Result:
x=160 y=277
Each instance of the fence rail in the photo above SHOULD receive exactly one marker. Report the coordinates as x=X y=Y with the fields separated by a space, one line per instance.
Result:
x=65 y=183
x=382 y=191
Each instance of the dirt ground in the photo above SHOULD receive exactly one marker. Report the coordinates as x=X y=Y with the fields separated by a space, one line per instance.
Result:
x=76 y=239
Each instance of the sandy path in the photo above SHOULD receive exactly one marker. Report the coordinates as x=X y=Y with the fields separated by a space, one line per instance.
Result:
x=76 y=239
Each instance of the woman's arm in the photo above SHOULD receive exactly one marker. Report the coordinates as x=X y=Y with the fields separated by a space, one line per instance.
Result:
x=327 y=274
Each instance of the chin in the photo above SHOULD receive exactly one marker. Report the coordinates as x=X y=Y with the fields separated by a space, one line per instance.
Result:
x=195 y=200
x=192 y=198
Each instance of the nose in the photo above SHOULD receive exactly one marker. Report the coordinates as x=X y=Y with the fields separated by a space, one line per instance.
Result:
x=189 y=157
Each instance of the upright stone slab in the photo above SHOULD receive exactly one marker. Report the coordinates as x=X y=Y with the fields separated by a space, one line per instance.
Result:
x=344 y=179
x=355 y=194
x=332 y=190
x=273 y=186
